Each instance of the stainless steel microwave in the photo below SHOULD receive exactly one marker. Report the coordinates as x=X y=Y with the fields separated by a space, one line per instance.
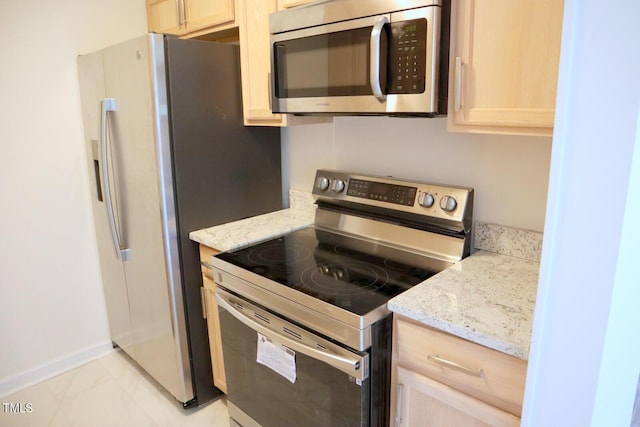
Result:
x=352 y=57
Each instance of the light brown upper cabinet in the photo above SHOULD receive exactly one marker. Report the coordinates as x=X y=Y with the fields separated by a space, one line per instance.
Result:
x=190 y=17
x=243 y=21
x=504 y=65
x=255 y=61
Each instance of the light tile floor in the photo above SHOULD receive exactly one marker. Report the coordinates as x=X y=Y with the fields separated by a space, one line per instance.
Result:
x=110 y=391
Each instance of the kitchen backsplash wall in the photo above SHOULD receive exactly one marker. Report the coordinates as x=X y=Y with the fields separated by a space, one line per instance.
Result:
x=510 y=241
x=510 y=174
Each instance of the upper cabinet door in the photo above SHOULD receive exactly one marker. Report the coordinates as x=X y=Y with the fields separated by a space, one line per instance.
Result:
x=166 y=16
x=504 y=65
x=255 y=57
x=208 y=13
x=190 y=17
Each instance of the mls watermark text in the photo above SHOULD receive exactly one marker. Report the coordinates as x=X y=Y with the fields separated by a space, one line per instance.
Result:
x=17 y=408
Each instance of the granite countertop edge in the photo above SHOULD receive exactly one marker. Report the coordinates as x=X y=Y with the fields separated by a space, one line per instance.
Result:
x=487 y=298
x=236 y=234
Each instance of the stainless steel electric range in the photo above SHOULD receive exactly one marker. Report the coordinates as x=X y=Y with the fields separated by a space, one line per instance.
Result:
x=306 y=333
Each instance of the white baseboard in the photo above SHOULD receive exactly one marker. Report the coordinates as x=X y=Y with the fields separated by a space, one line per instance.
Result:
x=52 y=368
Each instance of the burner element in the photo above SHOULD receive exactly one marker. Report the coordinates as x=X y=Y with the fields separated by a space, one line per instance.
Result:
x=340 y=250
x=277 y=253
x=345 y=278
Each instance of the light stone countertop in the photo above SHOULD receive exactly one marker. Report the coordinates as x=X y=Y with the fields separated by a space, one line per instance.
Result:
x=487 y=298
x=246 y=231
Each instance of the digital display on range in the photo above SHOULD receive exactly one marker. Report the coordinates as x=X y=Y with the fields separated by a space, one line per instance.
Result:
x=390 y=193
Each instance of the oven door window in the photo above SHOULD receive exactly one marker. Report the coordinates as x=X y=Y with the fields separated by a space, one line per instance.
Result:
x=332 y=64
x=320 y=395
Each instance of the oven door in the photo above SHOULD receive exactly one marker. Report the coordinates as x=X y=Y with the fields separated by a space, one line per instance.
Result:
x=279 y=374
x=383 y=64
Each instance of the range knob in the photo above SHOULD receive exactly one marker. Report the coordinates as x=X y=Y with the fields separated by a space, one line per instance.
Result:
x=448 y=204
x=338 y=185
x=425 y=200
x=322 y=183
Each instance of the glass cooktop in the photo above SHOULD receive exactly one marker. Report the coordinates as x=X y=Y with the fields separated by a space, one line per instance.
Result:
x=325 y=266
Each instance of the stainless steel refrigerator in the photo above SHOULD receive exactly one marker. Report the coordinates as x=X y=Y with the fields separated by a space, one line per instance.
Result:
x=169 y=154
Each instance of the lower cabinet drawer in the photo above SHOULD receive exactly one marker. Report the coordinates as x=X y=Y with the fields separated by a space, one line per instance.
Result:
x=488 y=375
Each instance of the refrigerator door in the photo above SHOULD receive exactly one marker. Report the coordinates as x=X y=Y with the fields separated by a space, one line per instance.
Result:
x=134 y=77
x=222 y=170
x=92 y=91
x=179 y=159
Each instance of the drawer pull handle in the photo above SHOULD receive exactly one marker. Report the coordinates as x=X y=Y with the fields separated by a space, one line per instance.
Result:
x=435 y=358
x=206 y=265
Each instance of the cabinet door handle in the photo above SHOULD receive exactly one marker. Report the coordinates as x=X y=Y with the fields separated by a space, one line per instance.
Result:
x=399 y=397
x=181 y=12
x=269 y=91
x=435 y=358
x=206 y=265
x=458 y=87
x=203 y=301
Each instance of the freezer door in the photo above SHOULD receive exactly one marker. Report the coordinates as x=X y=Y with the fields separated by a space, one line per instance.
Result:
x=92 y=91
x=134 y=78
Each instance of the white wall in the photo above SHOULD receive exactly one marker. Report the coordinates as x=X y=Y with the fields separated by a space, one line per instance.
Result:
x=510 y=174
x=585 y=354
x=306 y=148
x=52 y=312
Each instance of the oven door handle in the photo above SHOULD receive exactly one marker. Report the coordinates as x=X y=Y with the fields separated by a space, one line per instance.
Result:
x=356 y=366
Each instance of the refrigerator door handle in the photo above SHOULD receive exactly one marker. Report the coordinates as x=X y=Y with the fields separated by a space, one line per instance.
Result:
x=109 y=105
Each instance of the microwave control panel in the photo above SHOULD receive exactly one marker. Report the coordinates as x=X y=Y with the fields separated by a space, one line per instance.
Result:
x=407 y=56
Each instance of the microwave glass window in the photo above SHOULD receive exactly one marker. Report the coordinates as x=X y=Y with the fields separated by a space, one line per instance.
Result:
x=334 y=64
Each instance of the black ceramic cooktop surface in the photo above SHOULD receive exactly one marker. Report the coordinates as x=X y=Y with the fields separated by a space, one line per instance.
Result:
x=320 y=264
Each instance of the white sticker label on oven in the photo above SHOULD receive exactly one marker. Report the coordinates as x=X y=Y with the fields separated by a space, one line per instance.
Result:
x=277 y=357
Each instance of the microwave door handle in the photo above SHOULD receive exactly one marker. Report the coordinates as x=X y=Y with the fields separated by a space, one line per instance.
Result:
x=352 y=366
x=109 y=105
x=374 y=64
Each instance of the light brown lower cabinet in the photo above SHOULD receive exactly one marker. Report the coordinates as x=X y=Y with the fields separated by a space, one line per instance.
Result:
x=213 y=319
x=423 y=402
x=441 y=380
x=287 y=4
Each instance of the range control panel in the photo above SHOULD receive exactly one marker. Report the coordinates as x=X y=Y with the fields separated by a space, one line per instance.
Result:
x=434 y=200
x=385 y=192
